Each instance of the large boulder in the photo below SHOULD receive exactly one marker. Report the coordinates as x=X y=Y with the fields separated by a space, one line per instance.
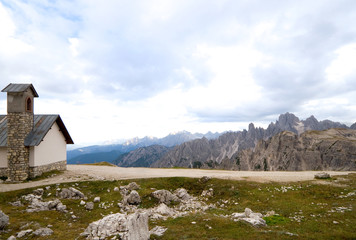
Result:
x=249 y=216
x=4 y=220
x=322 y=175
x=43 y=232
x=133 y=226
x=133 y=198
x=182 y=194
x=165 y=196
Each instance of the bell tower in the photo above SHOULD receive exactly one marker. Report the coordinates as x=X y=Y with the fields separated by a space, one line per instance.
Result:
x=20 y=99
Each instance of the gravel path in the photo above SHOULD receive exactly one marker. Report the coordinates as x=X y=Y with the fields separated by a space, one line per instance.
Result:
x=88 y=172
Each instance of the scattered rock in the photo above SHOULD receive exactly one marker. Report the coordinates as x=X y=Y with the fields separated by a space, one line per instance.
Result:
x=204 y=179
x=124 y=190
x=12 y=237
x=70 y=193
x=38 y=191
x=208 y=193
x=165 y=196
x=4 y=220
x=158 y=230
x=97 y=199
x=24 y=233
x=132 y=186
x=37 y=205
x=322 y=175
x=48 y=188
x=89 y=206
x=182 y=194
x=133 y=226
x=82 y=202
x=162 y=211
x=16 y=204
x=43 y=232
x=116 y=189
x=249 y=216
x=270 y=213
x=133 y=198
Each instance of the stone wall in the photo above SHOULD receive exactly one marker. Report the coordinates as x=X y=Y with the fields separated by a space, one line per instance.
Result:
x=4 y=172
x=38 y=170
x=19 y=125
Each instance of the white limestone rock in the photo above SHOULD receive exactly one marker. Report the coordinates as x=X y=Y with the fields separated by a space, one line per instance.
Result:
x=182 y=194
x=133 y=198
x=165 y=196
x=158 y=230
x=322 y=175
x=133 y=226
x=24 y=233
x=89 y=206
x=249 y=216
x=208 y=193
x=4 y=220
x=43 y=232
x=70 y=193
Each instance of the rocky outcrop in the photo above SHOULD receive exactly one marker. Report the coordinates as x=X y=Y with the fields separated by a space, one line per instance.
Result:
x=70 y=193
x=165 y=196
x=43 y=232
x=332 y=149
x=35 y=204
x=251 y=217
x=353 y=126
x=133 y=226
x=222 y=152
x=4 y=220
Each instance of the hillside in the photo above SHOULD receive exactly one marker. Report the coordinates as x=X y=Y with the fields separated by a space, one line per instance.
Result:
x=141 y=157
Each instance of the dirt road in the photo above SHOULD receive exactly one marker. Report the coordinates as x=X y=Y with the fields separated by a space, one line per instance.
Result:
x=87 y=172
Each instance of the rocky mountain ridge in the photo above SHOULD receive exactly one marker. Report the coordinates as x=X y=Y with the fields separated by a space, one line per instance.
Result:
x=331 y=149
x=111 y=152
x=209 y=153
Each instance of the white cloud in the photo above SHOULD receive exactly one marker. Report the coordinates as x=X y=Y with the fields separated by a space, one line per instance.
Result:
x=116 y=69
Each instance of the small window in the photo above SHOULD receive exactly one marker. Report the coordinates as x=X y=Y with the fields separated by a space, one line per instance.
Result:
x=28 y=105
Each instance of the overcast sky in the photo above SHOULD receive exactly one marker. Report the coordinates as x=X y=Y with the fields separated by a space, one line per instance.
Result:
x=119 y=69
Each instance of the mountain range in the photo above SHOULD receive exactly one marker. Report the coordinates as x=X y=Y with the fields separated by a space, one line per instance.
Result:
x=224 y=151
x=111 y=152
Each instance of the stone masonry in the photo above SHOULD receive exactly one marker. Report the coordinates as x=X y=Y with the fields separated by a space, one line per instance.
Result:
x=19 y=126
x=38 y=170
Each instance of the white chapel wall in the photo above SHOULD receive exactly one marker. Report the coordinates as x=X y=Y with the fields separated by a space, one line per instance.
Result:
x=52 y=149
x=3 y=157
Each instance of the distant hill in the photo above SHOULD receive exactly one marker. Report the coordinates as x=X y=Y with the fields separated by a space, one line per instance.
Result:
x=111 y=152
x=95 y=157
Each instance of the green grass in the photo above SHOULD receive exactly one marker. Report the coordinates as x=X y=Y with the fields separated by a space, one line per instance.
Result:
x=101 y=164
x=45 y=175
x=307 y=210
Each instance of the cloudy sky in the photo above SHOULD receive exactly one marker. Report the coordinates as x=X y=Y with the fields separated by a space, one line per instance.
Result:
x=119 y=69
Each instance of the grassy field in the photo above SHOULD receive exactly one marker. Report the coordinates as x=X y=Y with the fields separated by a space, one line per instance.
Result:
x=306 y=210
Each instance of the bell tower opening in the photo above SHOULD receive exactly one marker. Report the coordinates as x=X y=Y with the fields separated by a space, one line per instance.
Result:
x=29 y=105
